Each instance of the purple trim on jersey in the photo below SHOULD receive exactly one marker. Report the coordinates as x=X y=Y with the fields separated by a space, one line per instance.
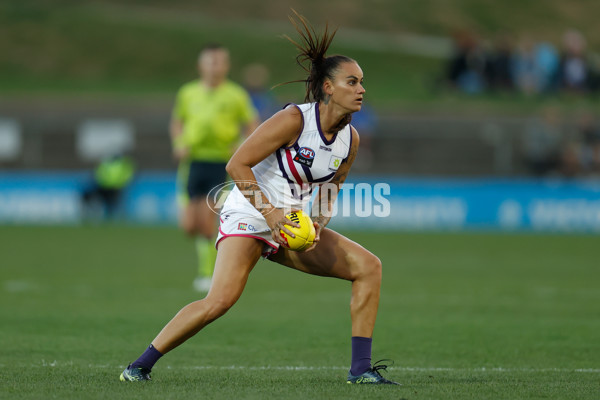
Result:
x=308 y=174
x=309 y=177
x=325 y=178
x=318 y=117
x=301 y=129
x=282 y=169
x=300 y=186
x=350 y=146
x=292 y=166
x=306 y=170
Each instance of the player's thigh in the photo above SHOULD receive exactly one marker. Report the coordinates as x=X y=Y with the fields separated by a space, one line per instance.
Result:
x=236 y=258
x=334 y=256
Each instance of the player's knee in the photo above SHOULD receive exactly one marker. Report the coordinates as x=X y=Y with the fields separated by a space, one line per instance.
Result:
x=371 y=268
x=219 y=306
x=375 y=267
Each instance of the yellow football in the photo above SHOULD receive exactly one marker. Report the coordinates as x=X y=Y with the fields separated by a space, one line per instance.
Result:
x=305 y=235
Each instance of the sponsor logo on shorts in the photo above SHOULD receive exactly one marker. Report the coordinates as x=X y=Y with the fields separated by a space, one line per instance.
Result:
x=242 y=226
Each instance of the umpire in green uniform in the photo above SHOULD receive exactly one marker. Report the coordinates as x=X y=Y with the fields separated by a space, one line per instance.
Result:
x=210 y=118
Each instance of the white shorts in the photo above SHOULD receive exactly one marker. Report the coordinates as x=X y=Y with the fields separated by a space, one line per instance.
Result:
x=240 y=218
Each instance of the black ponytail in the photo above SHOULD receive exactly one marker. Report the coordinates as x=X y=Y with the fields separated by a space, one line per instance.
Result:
x=312 y=57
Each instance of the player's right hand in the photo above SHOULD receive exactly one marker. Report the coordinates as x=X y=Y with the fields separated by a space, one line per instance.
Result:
x=277 y=221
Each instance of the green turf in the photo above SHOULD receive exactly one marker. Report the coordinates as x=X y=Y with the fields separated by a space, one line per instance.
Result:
x=145 y=49
x=464 y=316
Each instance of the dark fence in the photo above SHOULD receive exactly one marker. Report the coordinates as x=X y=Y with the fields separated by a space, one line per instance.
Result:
x=422 y=145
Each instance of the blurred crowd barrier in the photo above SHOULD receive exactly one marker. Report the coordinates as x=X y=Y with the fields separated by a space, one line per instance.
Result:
x=538 y=172
x=366 y=202
x=546 y=143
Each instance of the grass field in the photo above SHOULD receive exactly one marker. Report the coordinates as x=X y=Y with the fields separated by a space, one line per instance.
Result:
x=464 y=316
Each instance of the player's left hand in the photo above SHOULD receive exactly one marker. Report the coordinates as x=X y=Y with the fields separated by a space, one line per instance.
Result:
x=277 y=221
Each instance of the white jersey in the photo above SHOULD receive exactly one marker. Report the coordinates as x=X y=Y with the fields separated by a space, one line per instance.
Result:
x=288 y=176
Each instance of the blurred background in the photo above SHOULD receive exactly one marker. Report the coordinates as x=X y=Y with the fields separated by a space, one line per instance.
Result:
x=479 y=114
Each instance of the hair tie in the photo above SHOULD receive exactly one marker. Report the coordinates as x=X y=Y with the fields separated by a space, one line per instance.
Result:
x=318 y=61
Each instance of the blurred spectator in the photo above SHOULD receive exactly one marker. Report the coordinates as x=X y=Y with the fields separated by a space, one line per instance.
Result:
x=466 y=69
x=524 y=67
x=102 y=196
x=542 y=142
x=256 y=81
x=532 y=67
x=574 y=69
x=499 y=64
x=535 y=67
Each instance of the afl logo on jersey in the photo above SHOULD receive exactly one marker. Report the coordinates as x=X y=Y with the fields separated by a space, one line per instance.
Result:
x=305 y=156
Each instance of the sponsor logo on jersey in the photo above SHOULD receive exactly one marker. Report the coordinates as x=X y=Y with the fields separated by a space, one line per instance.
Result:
x=334 y=163
x=305 y=156
x=321 y=147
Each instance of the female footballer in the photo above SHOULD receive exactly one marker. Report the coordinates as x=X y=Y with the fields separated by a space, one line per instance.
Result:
x=300 y=146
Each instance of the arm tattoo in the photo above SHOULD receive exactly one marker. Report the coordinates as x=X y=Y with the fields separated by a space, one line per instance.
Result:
x=255 y=196
x=326 y=198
